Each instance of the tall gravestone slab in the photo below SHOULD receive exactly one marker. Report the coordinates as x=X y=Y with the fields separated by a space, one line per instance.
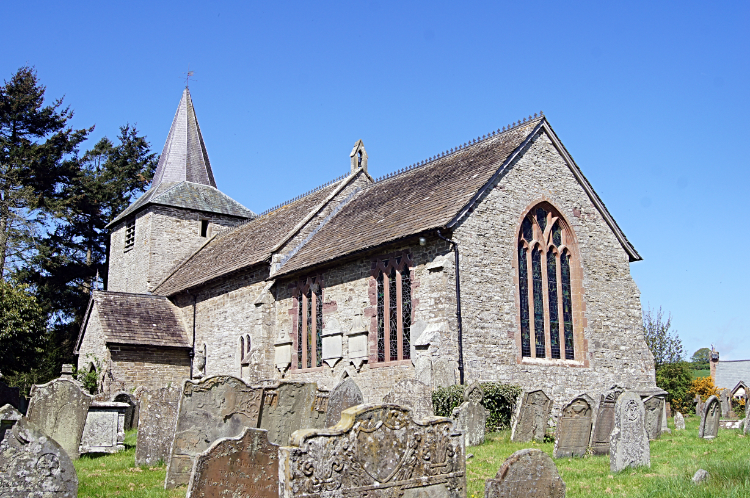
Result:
x=709 y=427
x=605 y=421
x=629 y=440
x=104 y=431
x=654 y=406
x=531 y=417
x=59 y=409
x=471 y=416
x=679 y=421
x=245 y=466
x=33 y=465
x=209 y=409
x=573 y=432
x=530 y=472
x=345 y=395
x=289 y=406
x=375 y=451
x=157 y=417
x=413 y=394
x=726 y=402
x=698 y=405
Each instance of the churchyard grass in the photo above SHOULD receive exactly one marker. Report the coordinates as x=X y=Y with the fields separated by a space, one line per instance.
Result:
x=696 y=374
x=674 y=459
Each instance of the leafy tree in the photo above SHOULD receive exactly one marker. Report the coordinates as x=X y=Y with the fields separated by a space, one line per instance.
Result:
x=676 y=379
x=22 y=329
x=701 y=359
x=664 y=344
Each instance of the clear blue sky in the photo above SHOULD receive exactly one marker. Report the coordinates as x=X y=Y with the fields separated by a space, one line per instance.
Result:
x=650 y=98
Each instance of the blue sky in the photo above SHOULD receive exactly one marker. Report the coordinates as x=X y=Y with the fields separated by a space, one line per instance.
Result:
x=650 y=98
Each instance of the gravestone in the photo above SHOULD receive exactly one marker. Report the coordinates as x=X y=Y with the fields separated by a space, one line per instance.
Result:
x=412 y=394
x=33 y=465
x=605 y=421
x=11 y=396
x=247 y=465
x=208 y=410
x=345 y=395
x=157 y=417
x=628 y=444
x=471 y=416
x=290 y=406
x=58 y=409
x=698 y=402
x=679 y=421
x=131 y=414
x=530 y=417
x=726 y=402
x=574 y=428
x=668 y=411
x=654 y=407
x=709 y=427
x=530 y=472
x=104 y=431
x=376 y=451
x=8 y=418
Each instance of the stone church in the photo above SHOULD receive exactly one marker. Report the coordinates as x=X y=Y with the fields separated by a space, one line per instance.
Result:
x=494 y=261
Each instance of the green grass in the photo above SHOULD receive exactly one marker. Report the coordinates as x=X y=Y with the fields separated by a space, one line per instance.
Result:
x=700 y=373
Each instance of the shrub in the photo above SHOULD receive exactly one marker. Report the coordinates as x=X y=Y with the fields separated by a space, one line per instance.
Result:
x=703 y=387
x=738 y=405
x=499 y=399
x=89 y=377
x=676 y=379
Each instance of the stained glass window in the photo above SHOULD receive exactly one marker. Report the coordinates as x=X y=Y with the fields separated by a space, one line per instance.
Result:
x=393 y=315
x=523 y=290
x=381 y=315
x=394 y=319
x=557 y=234
x=527 y=229
x=406 y=312
x=309 y=328
x=299 y=331
x=319 y=326
x=554 y=323
x=567 y=305
x=541 y=218
x=536 y=270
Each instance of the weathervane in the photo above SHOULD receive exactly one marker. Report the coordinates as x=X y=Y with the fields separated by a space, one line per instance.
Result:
x=187 y=77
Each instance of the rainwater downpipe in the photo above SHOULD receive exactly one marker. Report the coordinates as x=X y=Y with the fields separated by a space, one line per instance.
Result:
x=458 y=311
x=192 y=350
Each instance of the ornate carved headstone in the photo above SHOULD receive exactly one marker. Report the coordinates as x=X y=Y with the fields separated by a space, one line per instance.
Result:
x=104 y=431
x=629 y=440
x=654 y=406
x=375 y=451
x=709 y=427
x=574 y=428
x=247 y=465
x=471 y=417
x=33 y=465
x=530 y=417
x=412 y=394
x=8 y=418
x=157 y=417
x=345 y=395
x=289 y=406
x=58 y=409
x=131 y=414
x=209 y=409
x=679 y=421
x=605 y=421
x=529 y=472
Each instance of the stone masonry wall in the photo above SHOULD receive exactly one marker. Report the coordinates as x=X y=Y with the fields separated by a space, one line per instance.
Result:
x=153 y=368
x=93 y=348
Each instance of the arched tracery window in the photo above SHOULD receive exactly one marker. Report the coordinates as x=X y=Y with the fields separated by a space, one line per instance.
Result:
x=394 y=305
x=309 y=302
x=545 y=255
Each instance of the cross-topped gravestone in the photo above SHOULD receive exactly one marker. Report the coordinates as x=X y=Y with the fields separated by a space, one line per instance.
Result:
x=709 y=427
x=605 y=421
x=529 y=472
x=531 y=416
x=629 y=440
x=471 y=417
x=574 y=428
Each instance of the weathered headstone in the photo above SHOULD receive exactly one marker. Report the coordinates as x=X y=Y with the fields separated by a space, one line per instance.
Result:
x=529 y=472
x=375 y=451
x=654 y=406
x=33 y=465
x=574 y=428
x=209 y=409
x=8 y=418
x=668 y=411
x=131 y=414
x=531 y=416
x=290 y=406
x=58 y=409
x=11 y=396
x=247 y=465
x=104 y=431
x=726 y=402
x=345 y=395
x=605 y=421
x=629 y=441
x=709 y=427
x=157 y=417
x=698 y=402
x=679 y=421
x=471 y=416
x=413 y=394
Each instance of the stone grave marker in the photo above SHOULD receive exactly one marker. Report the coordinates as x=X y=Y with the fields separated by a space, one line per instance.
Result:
x=573 y=432
x=33 y=465
x=247 y=465
x=59 y=408
x=679 y=421
x=726 y=402
x=412 y=394
x=157 y=417
x=709 y=427
x=654 y=406
x=668 y=410
x=11 y=396
x=471 y=416
x=131 y=414
x=628 y=444
x=209 y=409
x=104 y=431
x=8 y=418
x=289 y=406
x=530 y=472
x=345 y=395
x=531 y=417
x=376 y=451
x=605 y=421
x=698 y=405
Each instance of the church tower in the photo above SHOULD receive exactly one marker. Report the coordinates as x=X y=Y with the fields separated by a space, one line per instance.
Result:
x=179 y=213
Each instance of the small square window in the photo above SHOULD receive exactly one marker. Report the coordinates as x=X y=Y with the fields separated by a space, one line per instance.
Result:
x=130 y=234
x=204 y=228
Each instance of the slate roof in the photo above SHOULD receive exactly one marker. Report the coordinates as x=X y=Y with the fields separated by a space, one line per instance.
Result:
x=731 y=372
x=137 y=319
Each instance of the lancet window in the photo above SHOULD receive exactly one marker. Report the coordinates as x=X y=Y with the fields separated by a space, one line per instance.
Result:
x=545 y=257
x=309 y=323
x=394 y=306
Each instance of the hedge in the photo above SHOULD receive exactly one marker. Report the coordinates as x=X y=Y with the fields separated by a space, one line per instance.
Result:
x=499 y=399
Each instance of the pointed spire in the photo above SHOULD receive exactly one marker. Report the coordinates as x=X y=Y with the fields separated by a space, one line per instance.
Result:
x=184 y=157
